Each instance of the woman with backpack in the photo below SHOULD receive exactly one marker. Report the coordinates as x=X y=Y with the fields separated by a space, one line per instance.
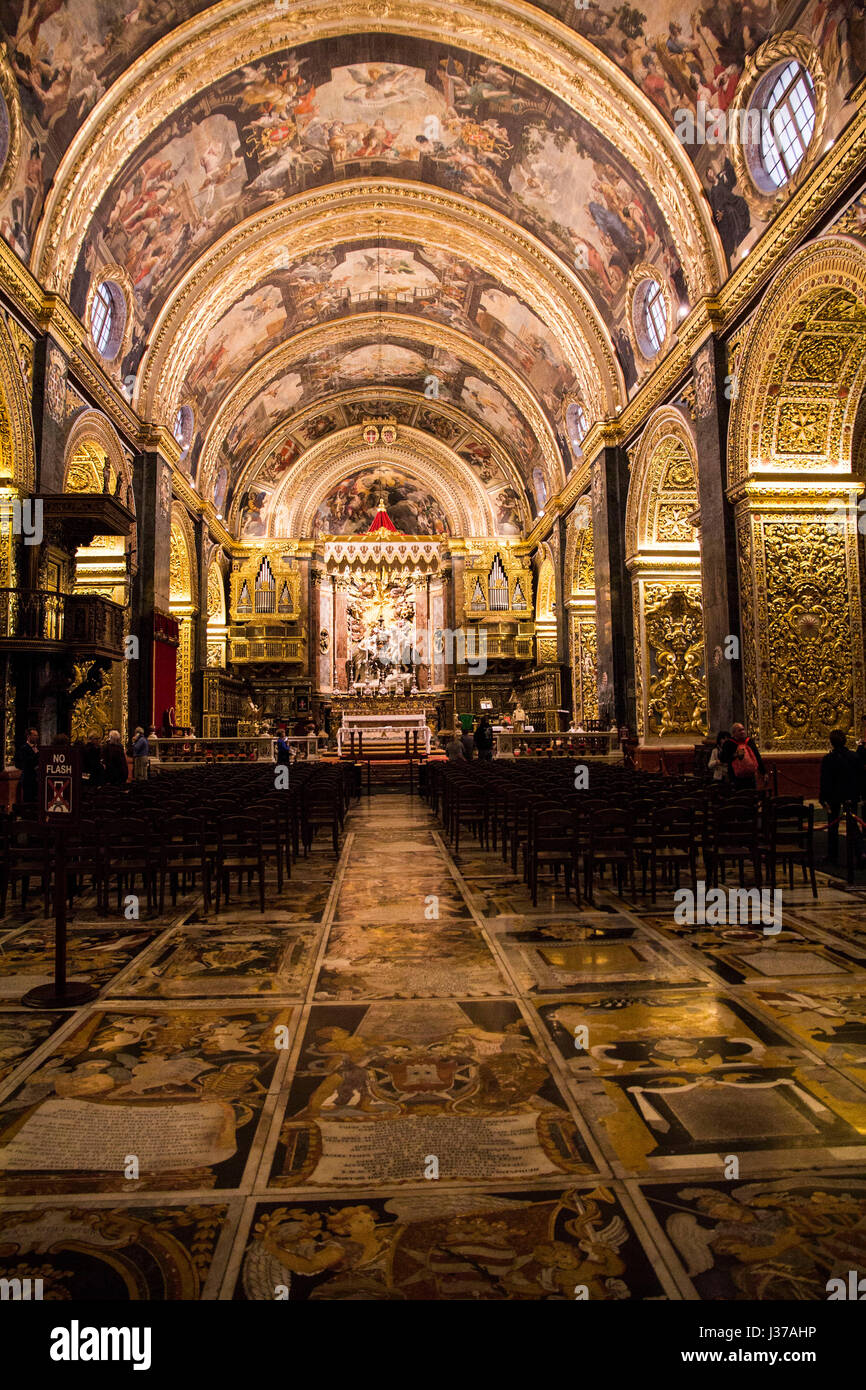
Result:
x=742 y=758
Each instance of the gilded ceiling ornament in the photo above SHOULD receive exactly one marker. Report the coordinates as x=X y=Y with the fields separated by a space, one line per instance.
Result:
x=9 y=93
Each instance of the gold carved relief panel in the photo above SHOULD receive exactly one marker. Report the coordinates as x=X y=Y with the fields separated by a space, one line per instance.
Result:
x=674 y=659
x=804 y=609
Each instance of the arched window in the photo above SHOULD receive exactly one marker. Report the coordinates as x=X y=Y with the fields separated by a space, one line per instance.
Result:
x=655 y=318
x=102 y=317
x=788 y=121
x=107 y=318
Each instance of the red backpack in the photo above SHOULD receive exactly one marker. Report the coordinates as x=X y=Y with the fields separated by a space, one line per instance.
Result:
x=747 y=765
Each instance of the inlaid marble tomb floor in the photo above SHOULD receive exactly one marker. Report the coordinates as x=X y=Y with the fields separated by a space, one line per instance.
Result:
x=291 y=1085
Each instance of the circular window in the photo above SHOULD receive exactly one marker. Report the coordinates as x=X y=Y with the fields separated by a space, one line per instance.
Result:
x=787 y=107
x=107 y=318
x=183 y=426
x=650 y=317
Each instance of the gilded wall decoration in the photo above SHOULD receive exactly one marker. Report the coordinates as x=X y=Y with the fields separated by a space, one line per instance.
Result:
x=663 y=555
x=94 y=712
x=802 y=369
x=584 y=667
x=803 y=373
x=802 y=429
x=584 y=569
x=806 y=632
x=663 y=489
x=183 y=678
x=676 y=693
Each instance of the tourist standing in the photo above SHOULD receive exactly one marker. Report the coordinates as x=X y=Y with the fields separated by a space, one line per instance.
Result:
x=454 y=748
x=743 y=760
x=716 y=768
x=840 y=787
x=284 y=752
x=27 y=760
x=91 y=761
x=484 y=739
x=114 y=761
x=140 y=755
x=467 y=738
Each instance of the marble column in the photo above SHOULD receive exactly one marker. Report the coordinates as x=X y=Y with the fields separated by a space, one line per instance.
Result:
x=719 y=584
x=150 y=586
x=614 y=624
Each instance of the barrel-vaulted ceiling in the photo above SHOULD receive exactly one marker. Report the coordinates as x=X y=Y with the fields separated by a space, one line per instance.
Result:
x=431 y=210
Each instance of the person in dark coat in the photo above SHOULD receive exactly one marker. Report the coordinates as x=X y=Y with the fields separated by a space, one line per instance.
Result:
x=114 y=761
x=484 y=739
x=840 y=787
x=27 y=759
x=91 y=761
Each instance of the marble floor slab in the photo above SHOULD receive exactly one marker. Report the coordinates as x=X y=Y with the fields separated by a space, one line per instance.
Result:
x=404 y=1081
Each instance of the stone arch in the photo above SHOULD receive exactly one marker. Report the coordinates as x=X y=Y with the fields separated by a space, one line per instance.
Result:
x=664 y=558
x=450 y=480
x=795 y=479
x=91 y=441
x=17 y=454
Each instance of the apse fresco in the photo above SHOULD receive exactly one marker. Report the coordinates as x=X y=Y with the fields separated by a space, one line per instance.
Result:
x=350 y=507
x=507 y=506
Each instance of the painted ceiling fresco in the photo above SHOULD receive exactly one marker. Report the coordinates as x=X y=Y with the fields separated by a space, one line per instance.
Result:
x=406 y=109
x=296 y=120
x=379 y=365
x=510 y=501
x=356 y=278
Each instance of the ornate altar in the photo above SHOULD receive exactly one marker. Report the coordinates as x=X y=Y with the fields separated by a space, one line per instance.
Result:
x=389 y=734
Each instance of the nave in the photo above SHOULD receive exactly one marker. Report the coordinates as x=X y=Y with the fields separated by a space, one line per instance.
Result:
x=373 y=1089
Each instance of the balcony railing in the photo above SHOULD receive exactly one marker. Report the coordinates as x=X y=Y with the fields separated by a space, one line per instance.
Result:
x=519 y=648
x=84 y=623
x=266 y=649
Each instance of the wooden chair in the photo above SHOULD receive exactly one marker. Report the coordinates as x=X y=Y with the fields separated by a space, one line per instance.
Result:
x=609 y=842
x=552 y=842
x=239 y=850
